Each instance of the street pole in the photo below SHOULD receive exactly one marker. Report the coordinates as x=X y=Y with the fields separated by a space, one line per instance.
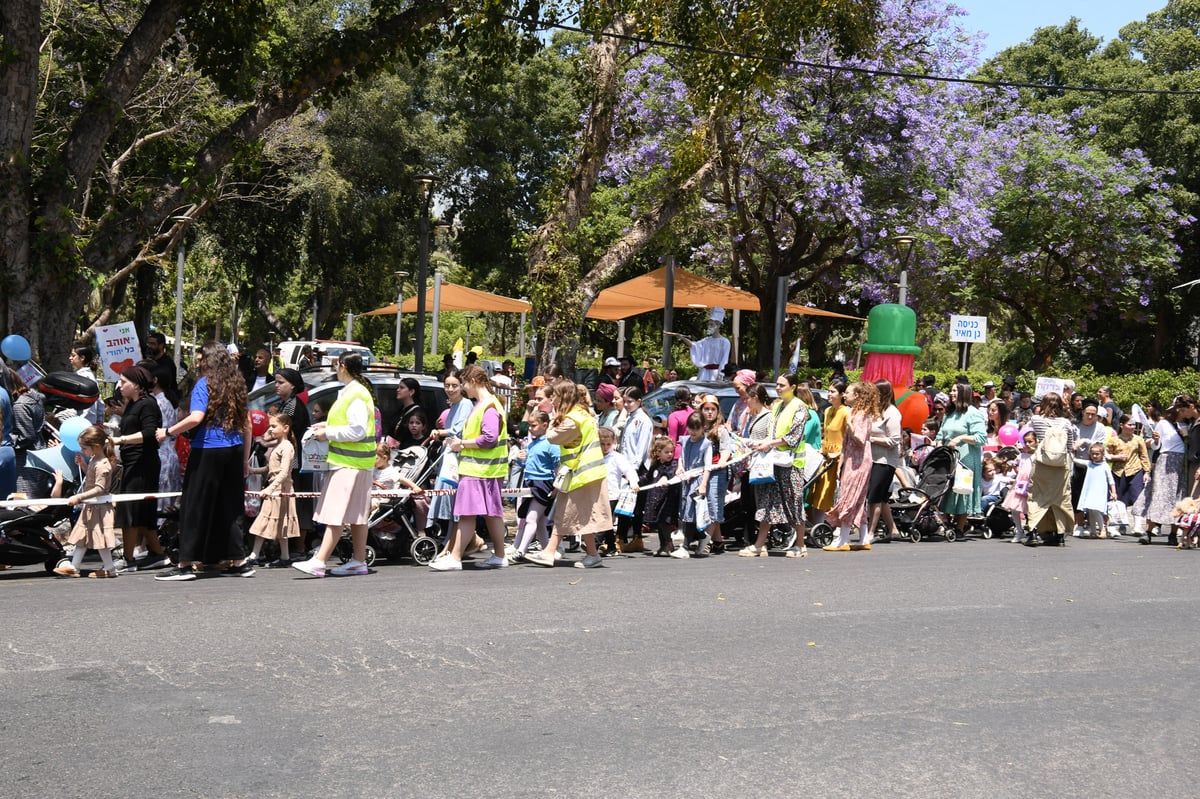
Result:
x=904 y=248
x=781 y=295
x=424 y=182
x=399 y=302
x=179 y=301
x=314 y=314
x=437 y=309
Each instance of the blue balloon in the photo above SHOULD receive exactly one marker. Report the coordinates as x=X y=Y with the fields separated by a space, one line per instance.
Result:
x=16 y=348
x=68 y=434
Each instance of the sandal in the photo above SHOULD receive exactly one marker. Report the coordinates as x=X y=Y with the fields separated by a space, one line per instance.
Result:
x=797 y=552
x=102 y=573
x=718 y=547
x=752 y=552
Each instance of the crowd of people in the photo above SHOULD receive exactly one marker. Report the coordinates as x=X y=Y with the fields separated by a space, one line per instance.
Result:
x=592 y=466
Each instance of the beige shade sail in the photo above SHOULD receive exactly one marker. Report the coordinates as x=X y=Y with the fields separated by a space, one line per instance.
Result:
x=458 y=298
x=648 y=293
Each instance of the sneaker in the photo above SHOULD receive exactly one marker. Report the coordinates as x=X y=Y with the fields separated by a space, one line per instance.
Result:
x=243 y=570
x=119 y=564
x=681 y=553
x=130 y=569
x=558 y=555
x=278 y=564
x=446 y=564
x=154 y=561
x=540 y=559
x=494 y=562
x=177 y=574
x=589 y=562
x=1078 y=532
x=704 y=547
x=1114 y=536
x=351 y=568
x=513 y=556
x=312 y=567
x=252 y=560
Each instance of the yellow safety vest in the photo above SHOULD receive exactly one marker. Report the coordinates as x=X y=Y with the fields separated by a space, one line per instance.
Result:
x=785 y=412
x=352 y=454
x=585 y=459
x=489 y=462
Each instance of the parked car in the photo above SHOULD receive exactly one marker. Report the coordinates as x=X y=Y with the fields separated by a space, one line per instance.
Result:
x=324 y=386
x=661 y=401
x=289 y=352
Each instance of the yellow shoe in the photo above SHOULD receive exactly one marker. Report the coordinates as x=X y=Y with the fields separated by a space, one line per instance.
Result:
x=832 y=548
x=858 y=547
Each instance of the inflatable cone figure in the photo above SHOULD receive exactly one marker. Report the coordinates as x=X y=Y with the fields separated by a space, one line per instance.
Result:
x=891 y=349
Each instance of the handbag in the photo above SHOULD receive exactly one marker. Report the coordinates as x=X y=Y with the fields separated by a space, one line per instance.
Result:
x=762 y=470
x=562 y=477
x=313 y=454
x=964 y=480
x=703 y=520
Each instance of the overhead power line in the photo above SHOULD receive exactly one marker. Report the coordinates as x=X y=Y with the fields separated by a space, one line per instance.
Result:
x=998 y=84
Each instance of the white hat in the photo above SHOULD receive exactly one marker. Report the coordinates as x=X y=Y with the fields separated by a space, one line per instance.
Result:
x=717 y=314
x=611 y=361
x=232 y=349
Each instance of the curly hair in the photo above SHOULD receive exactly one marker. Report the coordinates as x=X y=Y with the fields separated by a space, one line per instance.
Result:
x=226 y=388
x=866 y=399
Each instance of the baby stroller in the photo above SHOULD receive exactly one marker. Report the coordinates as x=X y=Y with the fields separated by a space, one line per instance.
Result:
x=392 y=528
x=26 y=536
x=781 y=536
x=915 y=509
x=997 y=521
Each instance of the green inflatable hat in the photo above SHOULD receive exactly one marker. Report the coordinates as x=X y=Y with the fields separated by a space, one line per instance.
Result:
x=892 y=329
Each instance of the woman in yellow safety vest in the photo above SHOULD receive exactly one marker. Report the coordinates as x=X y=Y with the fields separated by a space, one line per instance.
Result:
x=482 y=469
x=349 y=428
x=782 y=502
x=581 y=504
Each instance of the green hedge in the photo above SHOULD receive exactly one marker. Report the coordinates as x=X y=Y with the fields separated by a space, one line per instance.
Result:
x=1160 y=384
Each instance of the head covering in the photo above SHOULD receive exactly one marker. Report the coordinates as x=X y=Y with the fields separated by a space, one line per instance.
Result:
x=611 y=361
x=717 y=314
x=139 y=377
x=606 y=391
x=232 y=349
x=989 y=384
x=293 y=377
x=708 y=399
x=537 y=380
x=941 y=397
x=745 y=376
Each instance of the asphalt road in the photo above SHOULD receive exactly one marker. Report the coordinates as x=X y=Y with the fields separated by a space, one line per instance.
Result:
x=975 y=669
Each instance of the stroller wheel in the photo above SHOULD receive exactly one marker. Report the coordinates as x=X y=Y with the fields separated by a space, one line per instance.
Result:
x=370 y=555
x=781 y=537
x=951 y=534
x=423 y=550
x=822 y=534
x=987 y=533
x=914 y=535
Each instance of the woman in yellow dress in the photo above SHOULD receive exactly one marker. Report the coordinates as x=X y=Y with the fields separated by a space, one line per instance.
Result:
x=824 y=488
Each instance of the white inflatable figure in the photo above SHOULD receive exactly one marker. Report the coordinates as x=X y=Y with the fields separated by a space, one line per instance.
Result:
x=711 y=353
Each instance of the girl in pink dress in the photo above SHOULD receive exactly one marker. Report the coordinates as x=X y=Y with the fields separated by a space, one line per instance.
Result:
x=850 y=509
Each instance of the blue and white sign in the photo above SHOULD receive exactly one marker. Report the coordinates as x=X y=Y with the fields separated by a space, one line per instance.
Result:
x=972 y=329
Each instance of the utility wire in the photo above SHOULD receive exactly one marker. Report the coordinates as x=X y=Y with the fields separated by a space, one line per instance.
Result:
x=999 y=84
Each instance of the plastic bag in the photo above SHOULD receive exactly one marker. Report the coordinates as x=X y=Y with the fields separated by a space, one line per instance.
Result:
x=762 y=469
x=313 y=454
x=964 y=480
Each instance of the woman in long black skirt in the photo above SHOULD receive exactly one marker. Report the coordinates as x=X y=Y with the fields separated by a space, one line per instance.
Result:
x=140 y=466
x=213 y=502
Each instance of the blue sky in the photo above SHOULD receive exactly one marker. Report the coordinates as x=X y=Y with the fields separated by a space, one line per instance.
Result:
x=1010 y=22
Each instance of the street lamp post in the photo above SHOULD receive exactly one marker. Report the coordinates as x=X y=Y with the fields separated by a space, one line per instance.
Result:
x=470 y=317
x=399 y=301
x=904 y=248
x=314 y=287
x=424 y=183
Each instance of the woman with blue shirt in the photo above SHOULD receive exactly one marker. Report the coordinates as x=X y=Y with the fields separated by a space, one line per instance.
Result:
x=213 y=502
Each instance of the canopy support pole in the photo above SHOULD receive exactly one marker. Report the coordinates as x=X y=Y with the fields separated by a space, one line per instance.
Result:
x=437 y=310
x=737 y=335
x=668 y=311
x=620 y=337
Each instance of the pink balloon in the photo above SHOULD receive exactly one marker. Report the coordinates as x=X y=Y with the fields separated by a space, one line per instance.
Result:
x=1009 y=434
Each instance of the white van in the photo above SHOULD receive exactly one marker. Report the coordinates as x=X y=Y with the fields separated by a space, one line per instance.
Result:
x=328 y=352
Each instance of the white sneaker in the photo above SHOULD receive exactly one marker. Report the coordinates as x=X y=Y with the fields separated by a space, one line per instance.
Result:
x=494 y=562
x=1078 y=532
x=590 y=562
x=680 y=553
x=351 y=568
x=446 y=564
x=540 y=559
x=312 y=567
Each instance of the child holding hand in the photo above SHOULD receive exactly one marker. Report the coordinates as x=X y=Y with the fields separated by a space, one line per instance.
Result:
x=277 y=520
x=94 y=529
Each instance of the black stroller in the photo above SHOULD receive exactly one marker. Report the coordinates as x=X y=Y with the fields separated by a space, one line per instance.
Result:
x=392 y=528
x=915 y=509
x=26 y=536
x=997 y=521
